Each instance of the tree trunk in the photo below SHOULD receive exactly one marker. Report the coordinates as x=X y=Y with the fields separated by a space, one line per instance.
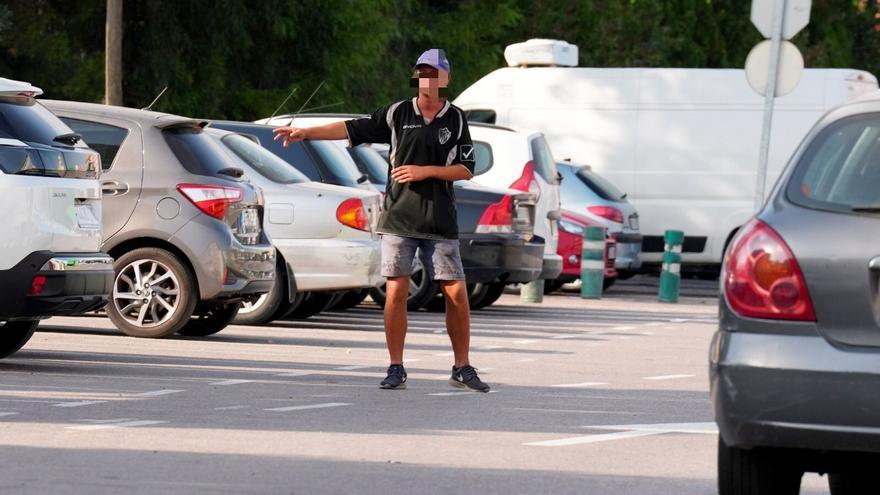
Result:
x=113 y=54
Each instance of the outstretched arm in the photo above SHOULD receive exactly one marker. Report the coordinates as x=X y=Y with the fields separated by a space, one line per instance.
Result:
x=332 y=131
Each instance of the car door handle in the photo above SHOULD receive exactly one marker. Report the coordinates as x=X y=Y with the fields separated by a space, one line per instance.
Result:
x=113 y=188
x=874 y=264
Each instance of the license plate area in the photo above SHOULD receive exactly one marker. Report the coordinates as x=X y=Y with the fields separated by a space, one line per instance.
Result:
x=247 y=227
x=612 y=252
x=634 y=222
x=85 y=217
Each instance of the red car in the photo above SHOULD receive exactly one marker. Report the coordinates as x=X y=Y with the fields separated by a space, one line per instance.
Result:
x=571 y=238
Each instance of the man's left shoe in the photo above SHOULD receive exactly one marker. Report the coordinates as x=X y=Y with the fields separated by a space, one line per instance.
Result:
x=466 y=377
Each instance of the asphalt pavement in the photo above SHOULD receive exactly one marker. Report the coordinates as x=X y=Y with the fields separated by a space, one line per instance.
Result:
x=595 y=397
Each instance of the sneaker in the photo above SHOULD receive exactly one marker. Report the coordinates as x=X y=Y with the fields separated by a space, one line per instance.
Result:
x=396 y=378
x=466 y=377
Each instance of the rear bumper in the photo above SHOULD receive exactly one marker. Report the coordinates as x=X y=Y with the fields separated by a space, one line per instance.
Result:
x=500 y=258
x=332 y=264
x=552 y=267
x=74 y=283
x=794 y=391
x=629 y=252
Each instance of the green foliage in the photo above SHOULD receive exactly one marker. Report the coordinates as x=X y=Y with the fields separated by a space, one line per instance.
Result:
x=238 y=59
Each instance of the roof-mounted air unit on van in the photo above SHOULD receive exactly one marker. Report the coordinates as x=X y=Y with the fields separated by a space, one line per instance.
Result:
x=9 y=87
x=541 y=52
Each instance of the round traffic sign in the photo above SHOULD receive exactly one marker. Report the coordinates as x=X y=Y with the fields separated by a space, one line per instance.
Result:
x=791 y=67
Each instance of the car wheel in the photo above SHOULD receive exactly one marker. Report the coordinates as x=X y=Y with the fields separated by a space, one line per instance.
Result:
x=350 y=299
x=265 y=308
x=475 y=292
x=312 y=304
x=210 y=320
x=493 y=293
x=15 y=334
x=607 y=283
x=755 y=472
x=421 y=289
x=153 y=295
x=551 y=286
x=288 y=306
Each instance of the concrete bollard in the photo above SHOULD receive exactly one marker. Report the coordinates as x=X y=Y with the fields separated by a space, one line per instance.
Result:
x=593 y=263
x=670 y=273
x=532 y=292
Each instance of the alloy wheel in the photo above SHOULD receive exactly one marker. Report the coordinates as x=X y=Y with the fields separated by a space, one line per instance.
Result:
x=146 y=293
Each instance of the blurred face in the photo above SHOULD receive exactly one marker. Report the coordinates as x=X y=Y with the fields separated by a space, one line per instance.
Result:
x=431 y=81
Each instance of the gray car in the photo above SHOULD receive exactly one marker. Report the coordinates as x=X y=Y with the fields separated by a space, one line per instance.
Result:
x=795 y=364
x=183 y=226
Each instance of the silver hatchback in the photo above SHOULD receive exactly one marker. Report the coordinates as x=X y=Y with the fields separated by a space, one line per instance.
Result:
x=795 y=364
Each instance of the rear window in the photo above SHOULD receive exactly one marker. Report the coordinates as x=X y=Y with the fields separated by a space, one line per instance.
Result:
x=295 y=154
x=543 y=160
x=26 y=120
x=198 y=153
x=483 y=159
x=103 y=138
x=337 y=162
x=263 y=161
x=600 y=185
x=840 y=171
x=483 y=116
x=371 y=163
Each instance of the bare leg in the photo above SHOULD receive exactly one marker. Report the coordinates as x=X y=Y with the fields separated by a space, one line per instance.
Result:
x=458 y=319
x=396 y=292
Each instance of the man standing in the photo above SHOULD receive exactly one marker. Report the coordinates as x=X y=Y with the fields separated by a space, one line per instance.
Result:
x=430 y=149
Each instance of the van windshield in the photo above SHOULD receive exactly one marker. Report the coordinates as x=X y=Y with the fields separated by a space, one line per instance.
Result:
x=543 y=160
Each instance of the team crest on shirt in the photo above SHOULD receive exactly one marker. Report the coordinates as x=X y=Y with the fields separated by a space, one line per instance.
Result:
x=444 y=135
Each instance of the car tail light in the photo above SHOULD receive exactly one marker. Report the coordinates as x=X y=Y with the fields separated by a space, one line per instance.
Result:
x=352 y=213
x=763 y=279
x=37 y=286
x=607 y=212
x=527 y=181
x=498 y=217
x=212 y=200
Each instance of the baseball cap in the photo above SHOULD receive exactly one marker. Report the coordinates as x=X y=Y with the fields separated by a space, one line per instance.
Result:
x=436 y=58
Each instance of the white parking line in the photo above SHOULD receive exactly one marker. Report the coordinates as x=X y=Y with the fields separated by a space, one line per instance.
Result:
x=352 y=368
x=296 y=373
x=559 y=337
x=450 y=353
x=579 y=385
x=524 y=342
x=231 y=382
x=230 y=408
x=667 y=377
x=2 y=414
x=311 y=406
x=80 y=403
x=623 y=328
x=108 y=426
x=527 y=360
x=489 y=347
x=157 y=393
x=468 y=392
x=602 y=437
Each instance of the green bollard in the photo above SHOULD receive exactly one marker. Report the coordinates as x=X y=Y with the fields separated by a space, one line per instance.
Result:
x=670 y=273
x=532 y=292
x=593 y=263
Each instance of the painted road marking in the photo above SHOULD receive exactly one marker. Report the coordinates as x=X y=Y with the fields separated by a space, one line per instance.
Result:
x=232 y=382
x=230 y=408
x=524 y=342
x=158 y=393
x=2 y=414
x=527 y=360
x=80 y=403
x=489 y=347
x=122 y=424
x=352 y=368
x=564 y=442
x=624 y=328
x=667 y=377
x=450 y=353
x=467 y=392
x=296 y=373
x=579 y=385
x=632 y=431
x=559 y=337
x=310 y=406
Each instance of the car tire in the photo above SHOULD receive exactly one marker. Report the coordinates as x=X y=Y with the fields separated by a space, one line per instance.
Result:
x=312 y=304
x=180 y=283
x=350 y=299
x=755 y=472
x=265 y=308
x=288 y=306
x=210 y=320
x=493 y=293
x=421 y=289
x=15 y=334
x=607 y=283
x=551 y=286
x=475 y=292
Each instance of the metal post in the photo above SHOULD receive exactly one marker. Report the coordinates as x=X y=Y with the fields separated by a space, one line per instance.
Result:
x=532 y=292
x=593 y=263
x=769 y=98
x=670 y=274
x=113 y=54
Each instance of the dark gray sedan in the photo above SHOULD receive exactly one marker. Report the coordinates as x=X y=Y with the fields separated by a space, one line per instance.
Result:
x=795 y=365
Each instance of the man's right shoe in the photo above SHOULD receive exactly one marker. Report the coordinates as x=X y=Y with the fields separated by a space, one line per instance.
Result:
x=396 y=378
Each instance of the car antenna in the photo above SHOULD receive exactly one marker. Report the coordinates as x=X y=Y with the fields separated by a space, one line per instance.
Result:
x=282 y=104
x=150 y=106
x=305 y=102
x=323 y=106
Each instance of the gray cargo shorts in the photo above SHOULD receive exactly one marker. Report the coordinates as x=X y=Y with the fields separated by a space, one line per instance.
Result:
x=440 y=257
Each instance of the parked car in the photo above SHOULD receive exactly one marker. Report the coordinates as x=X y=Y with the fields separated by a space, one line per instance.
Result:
x=682 y=142
x=588 y=193
x=496 y=228
x=184 y=227
x=571 y=242
x=795 y=364
x=324 y=234
x=51 y=261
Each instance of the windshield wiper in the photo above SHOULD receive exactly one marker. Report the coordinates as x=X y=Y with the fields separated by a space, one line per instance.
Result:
x=866 y=208
x=69 y=139
x=363 y=178
x=232 y=172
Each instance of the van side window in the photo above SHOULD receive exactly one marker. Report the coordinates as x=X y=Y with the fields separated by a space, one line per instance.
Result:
x=484 y=157
x=103 y=138
x=483 y=116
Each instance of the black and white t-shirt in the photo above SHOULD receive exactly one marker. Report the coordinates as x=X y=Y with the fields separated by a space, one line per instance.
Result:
x=424 y=209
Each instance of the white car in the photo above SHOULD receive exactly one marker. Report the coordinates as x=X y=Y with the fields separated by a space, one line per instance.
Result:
x=50 y=259
x=324 y=234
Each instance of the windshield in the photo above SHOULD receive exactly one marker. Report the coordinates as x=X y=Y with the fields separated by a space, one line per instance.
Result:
x=337 y=162
x=25 y=119
x=543 y=160
x=197 y=152
x=371 y=163
x=263 y=161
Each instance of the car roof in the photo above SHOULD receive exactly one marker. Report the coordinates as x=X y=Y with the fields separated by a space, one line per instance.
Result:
x=11 y=87
x=148 y=117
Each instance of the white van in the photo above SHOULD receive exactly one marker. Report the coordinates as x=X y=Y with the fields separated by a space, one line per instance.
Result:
x=683 y=143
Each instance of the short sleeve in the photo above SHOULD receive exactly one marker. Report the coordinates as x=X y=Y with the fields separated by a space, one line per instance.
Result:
x=466 y=155
x=373 y=129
